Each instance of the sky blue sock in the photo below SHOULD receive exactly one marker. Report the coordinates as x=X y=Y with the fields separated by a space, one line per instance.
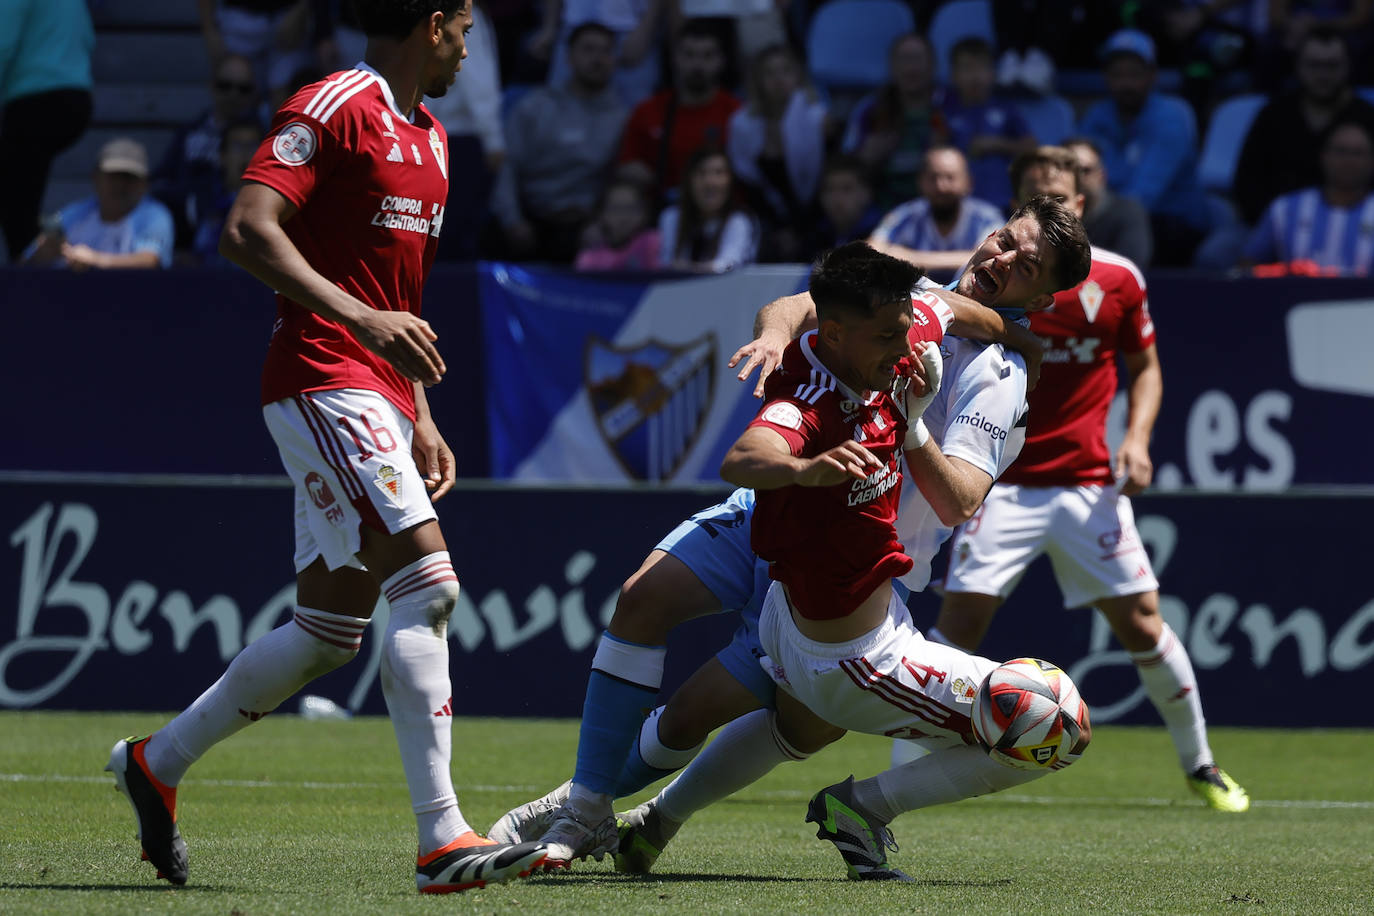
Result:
x=611 y=715
x=636 y=774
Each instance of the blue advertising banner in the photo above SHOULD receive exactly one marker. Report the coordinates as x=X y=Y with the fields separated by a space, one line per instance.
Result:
x=136 y=595
x=557 y=377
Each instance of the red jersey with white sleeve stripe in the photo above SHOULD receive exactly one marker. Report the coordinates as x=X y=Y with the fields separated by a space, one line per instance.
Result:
x=1109 y=312
x=369 y=187
x=832 y=546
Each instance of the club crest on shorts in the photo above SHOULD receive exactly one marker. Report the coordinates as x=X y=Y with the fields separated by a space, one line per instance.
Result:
x=388 y=480
x=650 y=400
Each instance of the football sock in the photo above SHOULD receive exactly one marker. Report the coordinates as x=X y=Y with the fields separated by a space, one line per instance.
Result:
x=742 y=753
x=419 y=698
x=1167 y=673
x=265 y=673
x=650 y=759
x=947 y=775
x=622 y=688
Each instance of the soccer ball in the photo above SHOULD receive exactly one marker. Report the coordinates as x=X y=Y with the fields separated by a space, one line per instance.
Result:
x=1027 y=714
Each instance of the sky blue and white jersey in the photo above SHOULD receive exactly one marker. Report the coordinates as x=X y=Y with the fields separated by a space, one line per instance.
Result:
x=1301 y=226
x=148 y=227
x=910 y=224
x=979 y=415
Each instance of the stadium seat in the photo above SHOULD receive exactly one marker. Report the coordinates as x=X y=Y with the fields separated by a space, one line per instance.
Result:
x=1366 y=93
x=150 y=57
x=847 y=41
x=1051 y=117
x=511 y=94
x=157 y=14
x=955 y=20
x=78 y=161
x=1226 y=131
x=142 y=103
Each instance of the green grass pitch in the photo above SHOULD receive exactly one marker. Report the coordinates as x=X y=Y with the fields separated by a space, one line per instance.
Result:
x=312 y=817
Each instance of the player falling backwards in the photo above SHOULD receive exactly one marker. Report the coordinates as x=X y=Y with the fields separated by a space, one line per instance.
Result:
x=341 y=215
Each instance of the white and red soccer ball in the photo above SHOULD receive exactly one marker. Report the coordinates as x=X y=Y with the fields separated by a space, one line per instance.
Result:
x=1027 y=714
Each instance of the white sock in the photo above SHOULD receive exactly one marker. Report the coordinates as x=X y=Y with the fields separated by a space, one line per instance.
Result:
x=1167 y=673
x=418 y=694
x=947 y=775
x=742 y=753
x=657 y=754
x=265 y=673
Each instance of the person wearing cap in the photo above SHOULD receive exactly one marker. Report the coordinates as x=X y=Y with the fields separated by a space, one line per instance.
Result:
x=1149 y=147
x=117 y=227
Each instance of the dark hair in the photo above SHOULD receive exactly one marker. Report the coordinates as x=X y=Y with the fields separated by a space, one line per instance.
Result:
x=1322 y=34
x=856 y=280
x=693 y=237
x=1064 y=233
x=593 y=26
x=396 y=19
x=1346 y=121
x=847 y=162
x=699 y=27
x=1081 y=140
x=1054 y=158
x=973 y=46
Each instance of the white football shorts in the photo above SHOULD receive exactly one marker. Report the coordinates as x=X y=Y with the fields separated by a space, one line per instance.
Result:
x=1088 y=531
x=348 y=453
x=890 y=681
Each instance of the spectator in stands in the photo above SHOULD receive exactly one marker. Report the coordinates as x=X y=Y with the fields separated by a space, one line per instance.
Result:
x=239 y=141
x=990 y=131
x=747 y=28
x=45 y=104
x=891 y=129
x=1211 y=42
x=636 y=25
x=938 y=229
x=118 y=227
x=665 y=129
x=1148 y=143
x=471 y=114
x=560 y=144
x=187 y=179
x=622 y=237
x=1291 y=21
x=1282 y=150
x=1331 y=226
x=273 y=34
x=707 y=230
x=847 y=210
x=1116 y=223
x=777 y=148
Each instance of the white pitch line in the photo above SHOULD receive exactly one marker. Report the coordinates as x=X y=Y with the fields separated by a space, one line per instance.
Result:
x=1098 y=801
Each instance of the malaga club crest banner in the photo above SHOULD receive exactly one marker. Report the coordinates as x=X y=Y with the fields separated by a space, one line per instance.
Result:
x=618 y=381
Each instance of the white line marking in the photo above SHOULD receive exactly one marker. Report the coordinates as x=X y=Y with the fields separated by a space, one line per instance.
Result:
x=783 y=796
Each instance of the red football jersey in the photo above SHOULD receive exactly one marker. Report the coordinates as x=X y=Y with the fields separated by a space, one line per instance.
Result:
x=1066 y=441
x=832 y=546
x=370 y=188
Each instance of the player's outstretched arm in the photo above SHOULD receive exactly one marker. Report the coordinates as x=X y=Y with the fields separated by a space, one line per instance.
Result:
x=777 y=324
x=253 y=239
x=762 y=460
x=975 y=321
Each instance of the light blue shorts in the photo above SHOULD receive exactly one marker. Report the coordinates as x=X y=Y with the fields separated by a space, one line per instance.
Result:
x=714 y=544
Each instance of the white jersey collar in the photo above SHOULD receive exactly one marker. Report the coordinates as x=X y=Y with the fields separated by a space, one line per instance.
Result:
x=386 y=90
x=866 y=398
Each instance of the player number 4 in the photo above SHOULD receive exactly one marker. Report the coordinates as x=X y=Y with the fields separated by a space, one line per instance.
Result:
x=922 y=673
x=382 y=438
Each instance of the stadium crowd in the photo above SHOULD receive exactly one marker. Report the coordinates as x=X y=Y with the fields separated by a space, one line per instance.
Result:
x=698 y=136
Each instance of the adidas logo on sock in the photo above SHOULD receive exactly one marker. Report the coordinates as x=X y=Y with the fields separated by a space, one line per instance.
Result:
x=446 y=710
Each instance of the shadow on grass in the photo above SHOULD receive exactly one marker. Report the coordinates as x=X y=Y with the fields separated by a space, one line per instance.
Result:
x=681 y=877
x=18 y=886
